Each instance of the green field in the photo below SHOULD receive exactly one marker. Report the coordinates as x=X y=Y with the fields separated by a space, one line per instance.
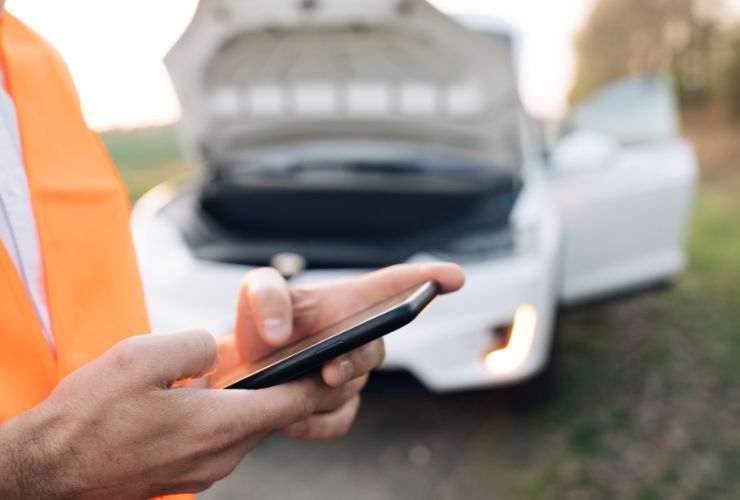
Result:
x=146 y=157
x=647 y=404
x=649 y=399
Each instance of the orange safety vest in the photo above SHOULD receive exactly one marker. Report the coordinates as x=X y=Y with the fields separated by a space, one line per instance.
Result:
x=82 y=211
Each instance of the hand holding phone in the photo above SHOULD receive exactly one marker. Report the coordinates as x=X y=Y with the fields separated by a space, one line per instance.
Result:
x=312 y=351
x=265 y=295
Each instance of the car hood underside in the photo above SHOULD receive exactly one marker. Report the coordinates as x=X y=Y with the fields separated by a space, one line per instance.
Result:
x=336 y=209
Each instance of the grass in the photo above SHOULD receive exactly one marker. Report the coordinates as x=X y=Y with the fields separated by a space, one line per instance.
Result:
x=146 y=157
x=649 y=404
x=648 y=401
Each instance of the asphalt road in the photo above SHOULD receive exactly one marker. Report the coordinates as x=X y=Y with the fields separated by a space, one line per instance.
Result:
x=407 y=443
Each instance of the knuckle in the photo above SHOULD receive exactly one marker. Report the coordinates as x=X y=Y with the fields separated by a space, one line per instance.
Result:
x=362 y=382
x=214 y=443
x=358 y=360
x=349 y=390
x=319 y=430
x=230 y=466
x=224 y=468
x=214 y=470
x=306 y=407
x=215 y=435
x=214 y=474
x=126 y=353
x=307 y=403
x=366 y=358
x=345 y=426
x=339 y=397
x=336 y=431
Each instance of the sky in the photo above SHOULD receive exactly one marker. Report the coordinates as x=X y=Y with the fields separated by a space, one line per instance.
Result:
x=114 y=50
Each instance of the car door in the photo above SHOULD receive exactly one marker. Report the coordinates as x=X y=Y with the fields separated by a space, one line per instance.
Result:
x=624 y=181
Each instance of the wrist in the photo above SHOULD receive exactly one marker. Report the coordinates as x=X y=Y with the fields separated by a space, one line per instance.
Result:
x=28 y=462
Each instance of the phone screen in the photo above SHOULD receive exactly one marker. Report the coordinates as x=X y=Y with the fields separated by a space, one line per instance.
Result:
x=325 y=334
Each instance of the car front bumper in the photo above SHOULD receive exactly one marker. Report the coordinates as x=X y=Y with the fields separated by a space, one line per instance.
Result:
x=445 y=348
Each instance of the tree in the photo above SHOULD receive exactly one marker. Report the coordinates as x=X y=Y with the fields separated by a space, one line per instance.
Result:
x=727 y=76
x=628 y=37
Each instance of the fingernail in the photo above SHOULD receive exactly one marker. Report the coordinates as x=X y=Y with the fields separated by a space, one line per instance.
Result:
x=276 y=329
x=297 y=429
x=347 y=367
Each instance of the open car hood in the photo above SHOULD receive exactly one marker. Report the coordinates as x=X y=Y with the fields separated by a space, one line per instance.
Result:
x=352 y=133
x=256 y=75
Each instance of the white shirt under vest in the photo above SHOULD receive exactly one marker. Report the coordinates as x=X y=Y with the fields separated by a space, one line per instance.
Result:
x=18 y=231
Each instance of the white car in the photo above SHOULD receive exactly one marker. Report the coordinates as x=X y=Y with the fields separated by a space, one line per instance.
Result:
x=336 y=137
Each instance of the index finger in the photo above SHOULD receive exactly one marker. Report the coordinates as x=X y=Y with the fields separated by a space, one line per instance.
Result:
x=337 y=299
x=378 y=285
x=271 y=408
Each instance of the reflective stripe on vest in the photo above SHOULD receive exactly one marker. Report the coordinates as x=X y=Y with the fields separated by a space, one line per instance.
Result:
x=82 y=210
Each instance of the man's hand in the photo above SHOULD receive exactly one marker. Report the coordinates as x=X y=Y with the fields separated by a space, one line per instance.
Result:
x=116 y=428
x=271 y=313
x=119 y=428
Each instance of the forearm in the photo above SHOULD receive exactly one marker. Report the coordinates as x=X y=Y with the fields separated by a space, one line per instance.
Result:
x=27 y=467
x=10 y=483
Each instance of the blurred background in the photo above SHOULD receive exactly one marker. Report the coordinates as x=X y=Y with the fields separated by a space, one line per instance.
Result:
x=642 y=398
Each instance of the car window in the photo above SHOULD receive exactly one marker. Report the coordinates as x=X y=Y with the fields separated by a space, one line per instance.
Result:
x=634 y=110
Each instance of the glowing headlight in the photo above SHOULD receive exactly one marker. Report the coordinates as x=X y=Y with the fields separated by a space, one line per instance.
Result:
x=513 y=354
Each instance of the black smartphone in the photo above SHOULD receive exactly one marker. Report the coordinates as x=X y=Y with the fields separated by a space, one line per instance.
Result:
x=311 y=352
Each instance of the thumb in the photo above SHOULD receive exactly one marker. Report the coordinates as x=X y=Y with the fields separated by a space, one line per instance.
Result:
x=163 y=359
